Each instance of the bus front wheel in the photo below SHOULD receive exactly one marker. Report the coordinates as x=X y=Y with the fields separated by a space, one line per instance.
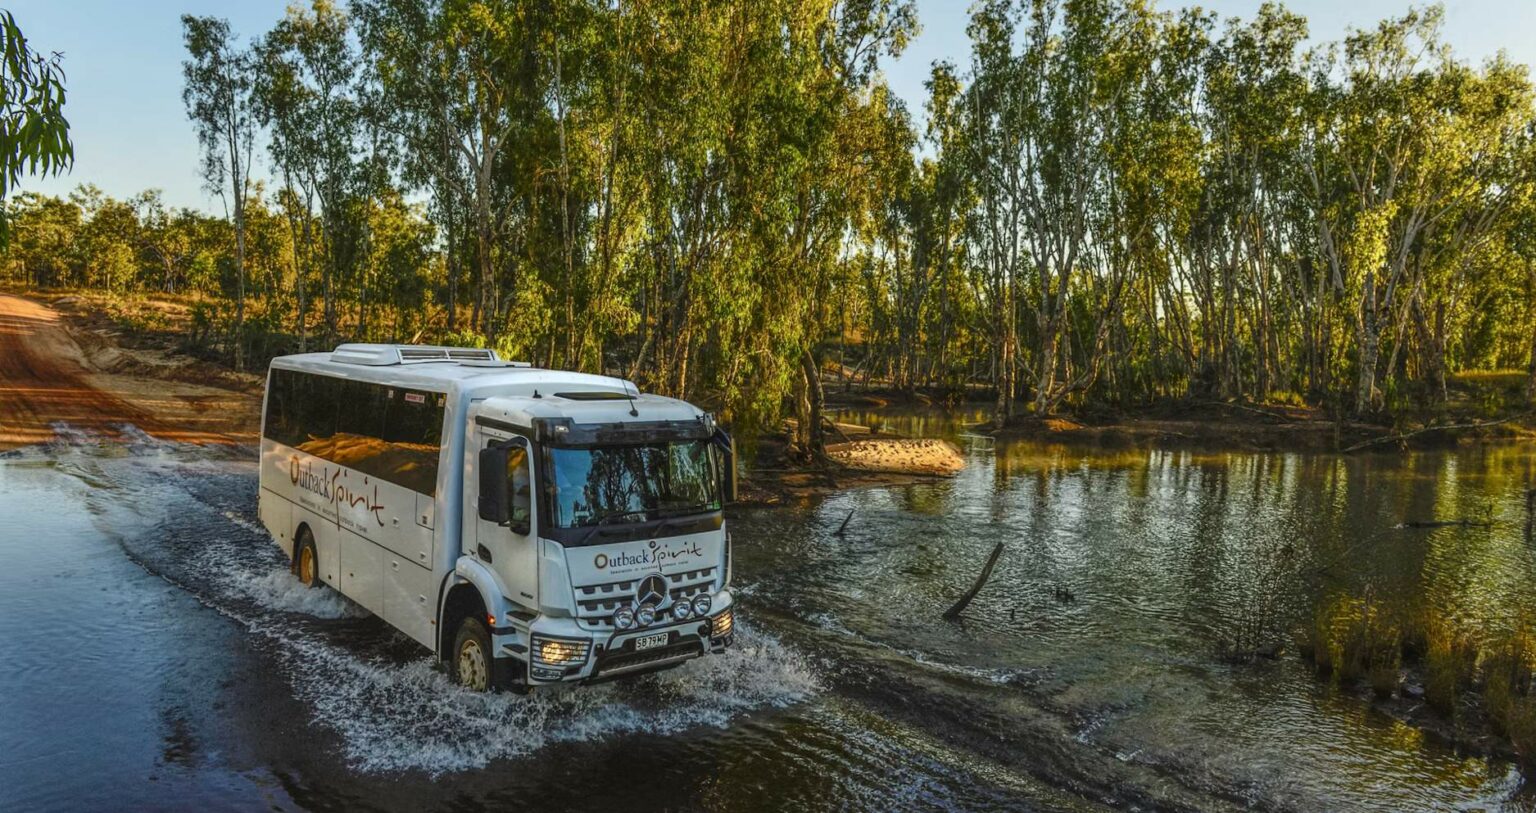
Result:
x=469 y=664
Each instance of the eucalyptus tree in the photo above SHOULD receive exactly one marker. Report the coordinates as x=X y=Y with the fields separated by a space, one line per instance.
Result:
x=683 y=156
x=890 y=216
x=34 y=135
x=1049 y=88
x=948 y=196
x=1471 y=173
x=217 y=93
x=454 y=75
x=43 y=239
x=1241 y=257
x=1521 y=239
x=307 y=98
x=107 y=241
x=999 y=119
x=401 y=263
x=1109 y=204
x=163 y=237
x=851 y=133
x=1409 y=175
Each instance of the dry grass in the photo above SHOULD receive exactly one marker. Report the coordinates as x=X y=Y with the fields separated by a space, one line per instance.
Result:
x=1507 y=668
x=1356 y=639
x=1450 y=664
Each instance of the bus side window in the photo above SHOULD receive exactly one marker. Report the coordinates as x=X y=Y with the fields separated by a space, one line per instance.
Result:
x=519 y=489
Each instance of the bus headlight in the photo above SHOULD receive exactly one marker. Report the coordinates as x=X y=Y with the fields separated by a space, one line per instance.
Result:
x=701 y=604
x=624 y=618
x=558 y=651
x=723 y=625
x=646 y=615
x=682 y=610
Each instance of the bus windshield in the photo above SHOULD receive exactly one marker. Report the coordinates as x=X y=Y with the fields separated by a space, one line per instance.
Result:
x=603 y=484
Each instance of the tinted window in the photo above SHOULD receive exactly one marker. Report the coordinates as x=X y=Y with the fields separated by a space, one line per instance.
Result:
x=632 y=483
x=519 y=487
x=390 y=433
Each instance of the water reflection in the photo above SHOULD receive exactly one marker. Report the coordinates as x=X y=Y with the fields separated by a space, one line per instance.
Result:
x=1101 y=668
x=1144 y=592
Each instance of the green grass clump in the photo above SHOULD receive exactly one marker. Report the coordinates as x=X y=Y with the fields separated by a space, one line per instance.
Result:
x=1450 y=663
x=1356 y=639
x=1507 y=668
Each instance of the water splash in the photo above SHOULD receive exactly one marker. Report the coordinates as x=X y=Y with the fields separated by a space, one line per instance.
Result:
x=410 y=718
x=396 y=712
x=279 y=591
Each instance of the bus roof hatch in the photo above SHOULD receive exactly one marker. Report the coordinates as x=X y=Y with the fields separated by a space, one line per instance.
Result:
x=384 y=355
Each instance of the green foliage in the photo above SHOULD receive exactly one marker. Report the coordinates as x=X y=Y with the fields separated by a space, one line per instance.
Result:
x=1104 y=204
x=34 y=135
x=1357 y=639
x=1450 y=662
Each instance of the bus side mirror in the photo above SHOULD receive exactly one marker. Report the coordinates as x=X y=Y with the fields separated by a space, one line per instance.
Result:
x=493 y=485
x=727 y=446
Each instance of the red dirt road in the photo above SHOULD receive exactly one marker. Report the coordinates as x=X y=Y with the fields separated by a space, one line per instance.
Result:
x=44 y=380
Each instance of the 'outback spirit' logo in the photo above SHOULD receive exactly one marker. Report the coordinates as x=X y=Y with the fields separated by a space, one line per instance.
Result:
x=327 y=485
x=655 y=553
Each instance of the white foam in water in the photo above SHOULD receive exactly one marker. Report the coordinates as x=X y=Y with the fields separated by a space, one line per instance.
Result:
x=242 y=522
x=279 y=590
x=1005 y=675
x=67 y=435
x=395 y=716
x=139 y=440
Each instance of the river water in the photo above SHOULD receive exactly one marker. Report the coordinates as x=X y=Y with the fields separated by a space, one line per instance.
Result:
x=154 y=652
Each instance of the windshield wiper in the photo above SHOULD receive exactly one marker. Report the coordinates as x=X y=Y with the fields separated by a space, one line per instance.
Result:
x=617 y=515
x=607 y=519
x=701 y=508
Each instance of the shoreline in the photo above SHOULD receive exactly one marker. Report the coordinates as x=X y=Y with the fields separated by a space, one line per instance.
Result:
x=1247 y=435
x=135 y=374
x=1229 y=426
x=58 y=367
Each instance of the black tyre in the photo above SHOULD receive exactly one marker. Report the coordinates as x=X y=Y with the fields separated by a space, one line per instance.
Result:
x=470 y=660
x=306 y=560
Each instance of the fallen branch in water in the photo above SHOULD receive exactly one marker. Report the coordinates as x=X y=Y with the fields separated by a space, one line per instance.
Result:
x=1446 y=523
x=981 y=580
x=1449 y=427
x=844 y=527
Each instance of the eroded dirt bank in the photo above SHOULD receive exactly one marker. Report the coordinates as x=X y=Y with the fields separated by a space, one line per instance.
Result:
x=49 y=382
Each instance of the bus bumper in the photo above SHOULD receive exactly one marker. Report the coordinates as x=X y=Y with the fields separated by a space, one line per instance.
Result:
x=606 y=656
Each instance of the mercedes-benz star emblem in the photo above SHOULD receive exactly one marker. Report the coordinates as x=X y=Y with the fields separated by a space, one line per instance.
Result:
x=653 y=590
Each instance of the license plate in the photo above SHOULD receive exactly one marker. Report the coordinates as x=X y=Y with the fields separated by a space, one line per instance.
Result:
x=650 y=642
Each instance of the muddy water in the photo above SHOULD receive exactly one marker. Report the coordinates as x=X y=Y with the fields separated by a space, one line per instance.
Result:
x=154 y=653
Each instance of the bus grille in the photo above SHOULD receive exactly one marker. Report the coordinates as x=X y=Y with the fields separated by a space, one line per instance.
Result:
x=598 y=601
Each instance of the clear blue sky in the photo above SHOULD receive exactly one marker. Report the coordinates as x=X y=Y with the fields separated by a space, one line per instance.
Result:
x=131 y=132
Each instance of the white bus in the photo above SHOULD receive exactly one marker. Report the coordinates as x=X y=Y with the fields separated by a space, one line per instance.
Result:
x=531 y=527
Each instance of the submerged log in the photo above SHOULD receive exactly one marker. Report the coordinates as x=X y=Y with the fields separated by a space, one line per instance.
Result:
x=981 y=581
x=1446 y=523
x=1402 y=437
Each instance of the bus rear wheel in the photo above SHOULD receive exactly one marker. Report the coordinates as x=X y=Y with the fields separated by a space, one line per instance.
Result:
x=469 y=664
x=306 y=561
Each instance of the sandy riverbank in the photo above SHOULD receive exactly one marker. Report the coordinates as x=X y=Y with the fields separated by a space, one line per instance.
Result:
x=56 y=372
